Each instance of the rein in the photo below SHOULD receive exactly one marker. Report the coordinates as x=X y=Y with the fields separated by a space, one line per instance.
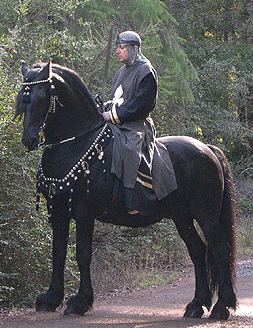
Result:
x=73 y=138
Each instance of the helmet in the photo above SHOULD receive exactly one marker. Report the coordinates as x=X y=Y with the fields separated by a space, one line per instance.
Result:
x=132 y=41
x=128 y=38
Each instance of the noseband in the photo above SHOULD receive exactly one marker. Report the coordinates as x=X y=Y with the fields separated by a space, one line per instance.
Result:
x=53 y=98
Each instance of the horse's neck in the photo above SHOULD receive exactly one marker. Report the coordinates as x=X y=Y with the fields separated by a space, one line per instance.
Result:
x=60 y=158
x=70 y=121
x=77 y=115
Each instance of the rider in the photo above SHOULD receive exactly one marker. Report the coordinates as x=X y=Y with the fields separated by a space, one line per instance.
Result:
x=141 y=164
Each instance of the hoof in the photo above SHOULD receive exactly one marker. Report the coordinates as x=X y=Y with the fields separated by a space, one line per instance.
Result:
x=47 y=303
x=45 y=308
x=219 y=313
x=77 y=305
x=194 y=310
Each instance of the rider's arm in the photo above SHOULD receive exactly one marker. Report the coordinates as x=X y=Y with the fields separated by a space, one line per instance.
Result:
x=140 y=106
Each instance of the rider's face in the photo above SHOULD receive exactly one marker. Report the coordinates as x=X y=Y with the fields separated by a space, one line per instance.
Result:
x=122 y=54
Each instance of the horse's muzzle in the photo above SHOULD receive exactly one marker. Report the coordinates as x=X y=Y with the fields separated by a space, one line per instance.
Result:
x=31 y=143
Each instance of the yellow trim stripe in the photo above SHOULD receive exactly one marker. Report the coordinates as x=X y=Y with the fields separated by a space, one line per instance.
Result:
x=145 y=176
x=115 y=115
x=145 y=184
x=111 y=117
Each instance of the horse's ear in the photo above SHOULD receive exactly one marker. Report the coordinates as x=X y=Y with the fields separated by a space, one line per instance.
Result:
x=24 y=69
x=47 y=70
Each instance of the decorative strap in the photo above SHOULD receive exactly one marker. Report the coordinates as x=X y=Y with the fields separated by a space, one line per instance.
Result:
x=51 y=109
x=26 y=94
x=37 y=82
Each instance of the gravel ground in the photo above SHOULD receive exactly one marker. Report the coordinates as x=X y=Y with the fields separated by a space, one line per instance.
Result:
x=156 y=307
x=245 y=268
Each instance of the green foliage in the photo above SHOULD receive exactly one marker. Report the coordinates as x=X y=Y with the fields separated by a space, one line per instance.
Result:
x=218 y=45
x=24 y=236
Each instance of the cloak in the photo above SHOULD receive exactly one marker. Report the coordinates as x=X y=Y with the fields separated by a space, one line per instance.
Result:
x=140 y=162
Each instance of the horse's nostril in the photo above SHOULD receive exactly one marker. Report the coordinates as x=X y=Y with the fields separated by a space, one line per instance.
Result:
x=31 y=143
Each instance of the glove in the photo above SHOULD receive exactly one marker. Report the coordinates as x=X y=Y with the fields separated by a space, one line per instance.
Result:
x=107 y=116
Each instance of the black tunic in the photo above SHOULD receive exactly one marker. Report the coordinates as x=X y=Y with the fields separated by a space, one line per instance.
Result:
x=142 y=103
x=135 y=91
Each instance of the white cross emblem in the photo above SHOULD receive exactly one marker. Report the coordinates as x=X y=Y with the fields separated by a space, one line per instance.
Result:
x=117 y=100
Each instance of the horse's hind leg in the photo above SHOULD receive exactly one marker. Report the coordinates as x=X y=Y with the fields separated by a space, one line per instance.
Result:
x=53 y=298
x=221 y=252
x=197 y=252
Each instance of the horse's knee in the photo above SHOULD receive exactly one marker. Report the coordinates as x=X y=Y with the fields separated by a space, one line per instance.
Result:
x=83 y=259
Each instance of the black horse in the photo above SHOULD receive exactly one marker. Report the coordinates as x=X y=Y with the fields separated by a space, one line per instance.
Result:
x=74 y=176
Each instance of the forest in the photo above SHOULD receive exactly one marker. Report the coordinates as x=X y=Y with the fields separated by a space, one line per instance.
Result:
x=202 y=52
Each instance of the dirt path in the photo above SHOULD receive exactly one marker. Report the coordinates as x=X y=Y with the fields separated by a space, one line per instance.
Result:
x=157 y=307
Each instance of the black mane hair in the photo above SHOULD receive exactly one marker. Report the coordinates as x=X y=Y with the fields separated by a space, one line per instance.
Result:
x=75 y=82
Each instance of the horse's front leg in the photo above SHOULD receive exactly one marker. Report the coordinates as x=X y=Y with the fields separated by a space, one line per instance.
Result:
x=50 y=300
x=83 y=301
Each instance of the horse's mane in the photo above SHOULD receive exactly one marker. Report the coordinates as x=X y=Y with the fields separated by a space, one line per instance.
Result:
x=75 y=82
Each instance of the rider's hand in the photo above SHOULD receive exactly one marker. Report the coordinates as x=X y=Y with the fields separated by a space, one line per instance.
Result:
x=107 y=116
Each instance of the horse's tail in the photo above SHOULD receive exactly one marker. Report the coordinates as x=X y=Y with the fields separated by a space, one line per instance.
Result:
x=228 y=214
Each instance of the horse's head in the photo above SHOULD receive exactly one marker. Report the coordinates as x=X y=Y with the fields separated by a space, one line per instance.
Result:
x=55 y=103
x=33 y=101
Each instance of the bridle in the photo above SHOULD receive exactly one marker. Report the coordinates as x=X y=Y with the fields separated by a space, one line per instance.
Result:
x=53 y=99
x=51 y=109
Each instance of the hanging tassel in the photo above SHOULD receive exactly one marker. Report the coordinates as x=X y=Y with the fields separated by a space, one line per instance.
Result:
x=104 y=172
x=70 y=203
x=51 y=193
x=26 y=95
x=53 y=99
x=88 y=189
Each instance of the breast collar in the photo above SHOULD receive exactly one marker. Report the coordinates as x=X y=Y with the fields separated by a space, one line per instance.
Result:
x=51 y=186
